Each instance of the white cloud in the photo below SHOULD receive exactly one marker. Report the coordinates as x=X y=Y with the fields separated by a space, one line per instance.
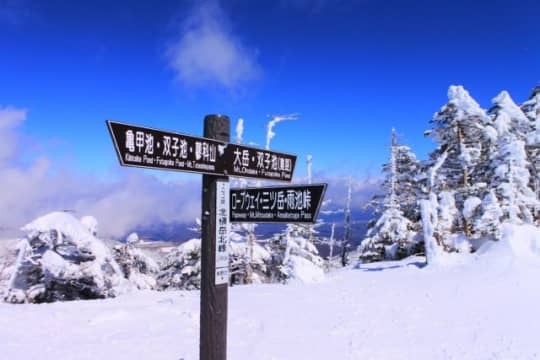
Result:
x=207 y=53
x=133 y=199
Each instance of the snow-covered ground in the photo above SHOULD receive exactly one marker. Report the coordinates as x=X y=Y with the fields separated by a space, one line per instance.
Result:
x=483 y=306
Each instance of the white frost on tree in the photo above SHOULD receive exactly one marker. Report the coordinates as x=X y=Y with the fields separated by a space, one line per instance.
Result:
x=91 y=224
x=511 y=177
x=296 y=258
x=489 y=223
x=181 y=268
x=392 y=235
x=240 y=131
x=463 y=131
x=270 y=126
x=249 y=261
x=138 y=267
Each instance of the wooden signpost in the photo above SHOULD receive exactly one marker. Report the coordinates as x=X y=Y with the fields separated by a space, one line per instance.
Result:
x=217 y=159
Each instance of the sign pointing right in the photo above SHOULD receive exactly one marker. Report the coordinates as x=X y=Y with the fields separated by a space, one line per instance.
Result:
x=277 y=204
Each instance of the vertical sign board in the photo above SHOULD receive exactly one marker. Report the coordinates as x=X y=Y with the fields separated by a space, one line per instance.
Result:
x=222 y=232
x=277 y=204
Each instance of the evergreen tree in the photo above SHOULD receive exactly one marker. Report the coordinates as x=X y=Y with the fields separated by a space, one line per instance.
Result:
x=181 y=268
x=463 y=132
x=531 y=108
x=60 y=259
x=249 y=261
x=489 y=223
x=294 y=256
x=391 y=236
x=511 y=166
x=139 y=268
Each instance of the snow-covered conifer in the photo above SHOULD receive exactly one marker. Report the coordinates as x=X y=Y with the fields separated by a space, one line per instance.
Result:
x=295 y=257
x=462 y=129
x=139 y=268
x=391 y=237
x=510 y=164
x=60 y=259
x=489 y=223
x=531 y=108
x=181 y=268
x=248 y=260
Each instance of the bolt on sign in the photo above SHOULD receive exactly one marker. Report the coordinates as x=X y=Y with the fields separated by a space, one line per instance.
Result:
x=277 y=204
x=156 y=149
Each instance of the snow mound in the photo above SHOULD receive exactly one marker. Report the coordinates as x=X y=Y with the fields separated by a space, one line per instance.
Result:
x=302 y=270
x=522 y=240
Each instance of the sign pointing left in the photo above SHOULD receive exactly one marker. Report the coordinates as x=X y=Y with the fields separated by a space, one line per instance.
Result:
x=157 y=149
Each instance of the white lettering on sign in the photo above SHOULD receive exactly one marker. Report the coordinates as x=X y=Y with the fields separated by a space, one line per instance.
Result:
x=222 y=232
x=272 y=200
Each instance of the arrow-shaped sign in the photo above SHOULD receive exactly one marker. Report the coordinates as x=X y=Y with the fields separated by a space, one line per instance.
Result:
x=277 y=204
x=157 y=149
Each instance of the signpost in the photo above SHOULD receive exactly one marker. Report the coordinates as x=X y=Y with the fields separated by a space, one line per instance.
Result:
x=283 y=204
x=216 y=158
x=157 y=149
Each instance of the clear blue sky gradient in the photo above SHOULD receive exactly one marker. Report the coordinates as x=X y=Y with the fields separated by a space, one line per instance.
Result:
x=352 y=69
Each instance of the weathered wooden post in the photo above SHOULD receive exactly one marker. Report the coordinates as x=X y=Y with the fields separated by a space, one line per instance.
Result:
x=214 y=252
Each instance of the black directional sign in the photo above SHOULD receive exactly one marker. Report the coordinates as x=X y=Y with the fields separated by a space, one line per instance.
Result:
x=157 y=149
x=283 y=204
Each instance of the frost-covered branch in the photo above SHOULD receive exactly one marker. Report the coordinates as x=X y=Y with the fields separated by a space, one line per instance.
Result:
x=270 y=126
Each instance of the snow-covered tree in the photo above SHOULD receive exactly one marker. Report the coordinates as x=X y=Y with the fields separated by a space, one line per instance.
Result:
x=391 y=236
x=60 y=259
x=294 y=257
x=345 y=244
x=139 y=268
x=531 y=108
x=181 y=268
x=489 y=223
x=462 y=129
x=511 y=177
x=248 y=260
x=405 y=179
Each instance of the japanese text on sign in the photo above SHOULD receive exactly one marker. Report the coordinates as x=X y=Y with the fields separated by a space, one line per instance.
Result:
x=222 y=232
x=156 y=149
x=277 y=204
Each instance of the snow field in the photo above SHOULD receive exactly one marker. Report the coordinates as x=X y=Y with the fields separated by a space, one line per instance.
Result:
x=484 y=308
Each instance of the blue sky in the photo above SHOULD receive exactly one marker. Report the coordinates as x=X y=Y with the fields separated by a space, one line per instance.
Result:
x=351 y=69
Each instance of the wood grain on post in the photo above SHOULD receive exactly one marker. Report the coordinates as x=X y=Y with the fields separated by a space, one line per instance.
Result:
x=214 y=298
